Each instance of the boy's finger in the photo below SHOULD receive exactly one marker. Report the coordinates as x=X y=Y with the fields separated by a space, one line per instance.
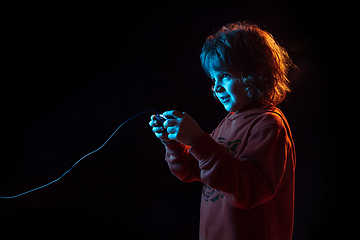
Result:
x=172 y=136
x=172 y=130
x=173 y=114
x=170 y=122
x=163 y=136
x=158 y=129
x=154 y=123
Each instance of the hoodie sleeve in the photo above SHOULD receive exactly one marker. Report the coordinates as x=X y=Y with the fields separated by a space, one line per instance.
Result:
x=181 y=163
x=253 y=177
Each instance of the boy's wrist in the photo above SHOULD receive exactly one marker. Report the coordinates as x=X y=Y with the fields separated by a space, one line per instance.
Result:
x=204 y=147
x=198 y=136
x=166 y=142
x=204 y=135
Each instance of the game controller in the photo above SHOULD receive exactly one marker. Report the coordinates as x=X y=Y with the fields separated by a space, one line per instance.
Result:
x=160 y=118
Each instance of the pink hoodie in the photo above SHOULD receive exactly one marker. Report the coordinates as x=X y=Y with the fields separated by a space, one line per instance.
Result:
x=248 y=170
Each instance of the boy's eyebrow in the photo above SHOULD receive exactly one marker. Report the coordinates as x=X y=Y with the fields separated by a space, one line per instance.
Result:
x=219 y=73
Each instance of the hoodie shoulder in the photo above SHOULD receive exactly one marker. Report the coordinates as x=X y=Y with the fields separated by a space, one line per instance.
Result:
x=273 y=118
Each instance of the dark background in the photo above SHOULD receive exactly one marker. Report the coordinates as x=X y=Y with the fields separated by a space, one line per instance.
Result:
x=73 y=73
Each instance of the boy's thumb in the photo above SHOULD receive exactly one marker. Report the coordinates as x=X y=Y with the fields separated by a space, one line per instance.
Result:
x=173 y=114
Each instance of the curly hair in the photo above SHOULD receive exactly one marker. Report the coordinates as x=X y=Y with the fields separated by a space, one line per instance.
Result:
x=264 y=64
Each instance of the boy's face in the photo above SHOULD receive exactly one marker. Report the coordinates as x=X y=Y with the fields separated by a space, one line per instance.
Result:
x=229 y=91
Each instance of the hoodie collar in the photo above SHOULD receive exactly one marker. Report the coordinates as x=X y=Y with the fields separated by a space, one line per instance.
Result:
x=253 y=109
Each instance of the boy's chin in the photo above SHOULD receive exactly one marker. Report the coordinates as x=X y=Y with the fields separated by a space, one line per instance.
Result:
x=233 y=108
x=229 y=109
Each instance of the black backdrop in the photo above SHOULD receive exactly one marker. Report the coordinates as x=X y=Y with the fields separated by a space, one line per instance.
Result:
x=73 y=73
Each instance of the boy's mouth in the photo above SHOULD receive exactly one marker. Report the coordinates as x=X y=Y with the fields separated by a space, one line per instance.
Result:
x=225 y=99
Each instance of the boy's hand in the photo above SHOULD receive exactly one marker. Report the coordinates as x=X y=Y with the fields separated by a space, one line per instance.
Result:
x=179 y=127
x=182 y=128
x=159 y=130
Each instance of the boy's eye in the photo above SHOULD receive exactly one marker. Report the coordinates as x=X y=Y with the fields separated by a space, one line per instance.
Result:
x=222 y=76
x=225 y=75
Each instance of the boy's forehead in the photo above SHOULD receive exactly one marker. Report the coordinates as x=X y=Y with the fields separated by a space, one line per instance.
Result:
x=214 y=73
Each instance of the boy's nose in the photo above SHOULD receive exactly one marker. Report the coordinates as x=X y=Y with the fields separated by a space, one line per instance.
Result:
x=218 y=88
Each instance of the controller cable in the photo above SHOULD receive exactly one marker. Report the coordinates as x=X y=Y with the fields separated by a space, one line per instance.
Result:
x=148 y=110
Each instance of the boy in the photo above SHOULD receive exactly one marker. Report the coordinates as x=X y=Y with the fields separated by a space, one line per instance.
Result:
x=247 y=165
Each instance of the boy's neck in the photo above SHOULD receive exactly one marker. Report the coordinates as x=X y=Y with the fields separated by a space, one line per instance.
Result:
x=251 y=105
